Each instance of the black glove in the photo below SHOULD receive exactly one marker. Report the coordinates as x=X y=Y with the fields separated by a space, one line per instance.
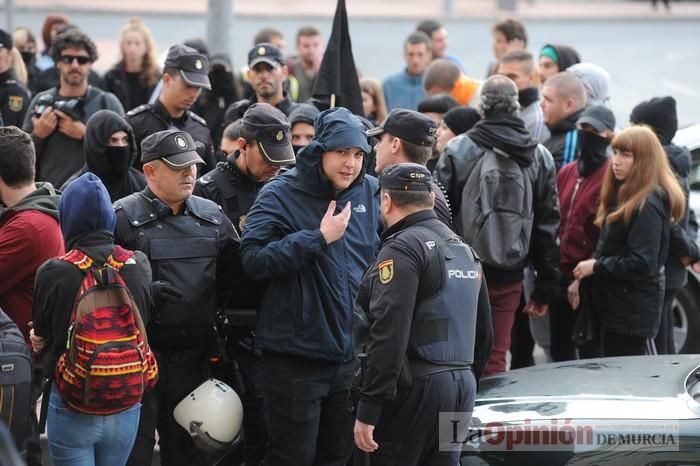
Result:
x=164 y=292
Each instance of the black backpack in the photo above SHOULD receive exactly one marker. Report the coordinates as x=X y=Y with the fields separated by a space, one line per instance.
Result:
x=15 y=380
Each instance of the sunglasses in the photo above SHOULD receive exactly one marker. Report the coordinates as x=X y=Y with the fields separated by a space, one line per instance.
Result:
x=68 y=59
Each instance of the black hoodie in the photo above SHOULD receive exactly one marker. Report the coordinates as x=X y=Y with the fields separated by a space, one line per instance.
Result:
x=507 y=133
x=99 y=128
x=566 y=56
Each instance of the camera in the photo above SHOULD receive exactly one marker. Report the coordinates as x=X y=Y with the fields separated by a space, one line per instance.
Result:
x=71 y=106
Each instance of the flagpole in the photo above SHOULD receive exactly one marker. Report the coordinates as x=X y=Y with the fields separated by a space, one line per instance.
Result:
x=332 y=100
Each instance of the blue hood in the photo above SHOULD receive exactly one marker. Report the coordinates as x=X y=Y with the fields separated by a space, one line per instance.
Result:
x=85 y=207
x=336 y=128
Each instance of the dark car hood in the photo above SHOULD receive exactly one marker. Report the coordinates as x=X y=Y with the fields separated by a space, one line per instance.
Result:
x=639 y=387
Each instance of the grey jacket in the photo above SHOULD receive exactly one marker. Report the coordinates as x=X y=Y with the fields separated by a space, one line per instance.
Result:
x=534 y=122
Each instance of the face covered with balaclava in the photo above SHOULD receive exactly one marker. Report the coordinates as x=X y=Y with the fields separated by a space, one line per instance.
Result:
x=106 y=153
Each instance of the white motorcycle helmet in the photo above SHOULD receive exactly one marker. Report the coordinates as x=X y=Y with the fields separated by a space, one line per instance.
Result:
x=212 y=414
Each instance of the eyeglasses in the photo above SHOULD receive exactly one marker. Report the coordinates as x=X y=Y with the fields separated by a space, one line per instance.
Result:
x=68 y=59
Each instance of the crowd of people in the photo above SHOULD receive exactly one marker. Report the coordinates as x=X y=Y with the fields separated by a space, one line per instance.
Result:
x=459 y=218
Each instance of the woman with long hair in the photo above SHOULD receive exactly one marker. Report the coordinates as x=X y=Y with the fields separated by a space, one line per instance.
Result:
x=373 y=102
x=132 y=79
x=639 y=200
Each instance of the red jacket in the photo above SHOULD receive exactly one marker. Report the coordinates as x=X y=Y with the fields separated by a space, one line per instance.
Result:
x=578 y=204
x=27 y=239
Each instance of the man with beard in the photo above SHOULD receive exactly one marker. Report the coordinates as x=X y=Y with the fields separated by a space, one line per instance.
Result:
x=185 y=74
x=56 y=117
x=519 y=67
x=266 y=76
x=110 y=153
x=498 y=155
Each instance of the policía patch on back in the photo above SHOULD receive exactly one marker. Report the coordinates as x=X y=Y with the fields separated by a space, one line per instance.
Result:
x=386 y=271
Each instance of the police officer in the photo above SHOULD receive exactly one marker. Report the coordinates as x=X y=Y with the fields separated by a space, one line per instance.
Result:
x=185 y=74
x=424 y=299
x=263 y=147
x=191 y=245
x=14 y=96
x=266 y=74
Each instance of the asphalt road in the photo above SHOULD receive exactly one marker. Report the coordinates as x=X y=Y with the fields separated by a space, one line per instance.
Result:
x=645 y=58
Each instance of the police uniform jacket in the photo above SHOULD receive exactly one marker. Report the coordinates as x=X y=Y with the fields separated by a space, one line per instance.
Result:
x=192 y=251
x=407 y=272
x=14 y=99
x=151 y=118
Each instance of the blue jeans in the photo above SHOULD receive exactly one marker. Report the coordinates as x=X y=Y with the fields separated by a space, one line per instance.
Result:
x=86 y=440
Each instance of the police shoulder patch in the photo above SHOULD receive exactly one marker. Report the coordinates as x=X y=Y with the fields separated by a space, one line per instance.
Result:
x=137 y=110
x=196 y=118
x=386 y=271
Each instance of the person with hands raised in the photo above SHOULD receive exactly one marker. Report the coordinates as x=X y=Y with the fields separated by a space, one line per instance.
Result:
x=313 y=257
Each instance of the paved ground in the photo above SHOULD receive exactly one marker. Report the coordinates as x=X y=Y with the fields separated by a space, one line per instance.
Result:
x=385 y=8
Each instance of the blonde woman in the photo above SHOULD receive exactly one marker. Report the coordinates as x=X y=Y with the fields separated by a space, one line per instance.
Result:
x=373 y=102
x=639 y=200
x=133 y=78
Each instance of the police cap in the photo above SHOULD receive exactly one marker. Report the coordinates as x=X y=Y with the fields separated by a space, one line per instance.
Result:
x=193 y=66
x=5 y=40
x=265 y=53
x=408 y=125
x=174 y=147
x=270 y=129
x=406 y=177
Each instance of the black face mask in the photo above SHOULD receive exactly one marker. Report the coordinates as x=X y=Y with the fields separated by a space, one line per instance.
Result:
x=117 y=160
x=593 y=152
x=29 y=58
x=221 y=82
x=296 y=149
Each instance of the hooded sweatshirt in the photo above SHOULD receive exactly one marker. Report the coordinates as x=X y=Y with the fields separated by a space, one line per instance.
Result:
x=29 y=235
x=87 y=220
x=596 y=82
x=307 y=308
x=113 y=165
x=563 y=55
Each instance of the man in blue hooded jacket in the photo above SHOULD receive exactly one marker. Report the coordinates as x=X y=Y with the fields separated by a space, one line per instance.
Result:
x=311 y=233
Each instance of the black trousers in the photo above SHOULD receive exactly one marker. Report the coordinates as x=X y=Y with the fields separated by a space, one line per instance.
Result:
x=664 y=340
x=562 y=320
x=307 y=410
x=522 y=344
x=408 y=430
x=616 y=344
x=180 y=372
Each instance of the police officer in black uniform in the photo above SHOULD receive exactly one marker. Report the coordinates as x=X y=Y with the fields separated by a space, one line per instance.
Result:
x=185 y=73
x=14 y=96
x=264 y=146
x=192 y=247
x=426 y=302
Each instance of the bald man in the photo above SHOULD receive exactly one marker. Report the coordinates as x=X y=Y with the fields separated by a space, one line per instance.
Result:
x=563 y=100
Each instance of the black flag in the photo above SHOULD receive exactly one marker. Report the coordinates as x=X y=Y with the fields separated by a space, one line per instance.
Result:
x=337 y=75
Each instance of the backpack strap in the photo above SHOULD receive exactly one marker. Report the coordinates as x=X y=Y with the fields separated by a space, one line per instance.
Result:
x=78 y=258
x=118 y=258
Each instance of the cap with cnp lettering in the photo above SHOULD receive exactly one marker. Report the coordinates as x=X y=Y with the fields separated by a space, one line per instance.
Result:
x=174 y=147
x=411 y=126
x=406 y=177
x=193 y=66
x=270 y=129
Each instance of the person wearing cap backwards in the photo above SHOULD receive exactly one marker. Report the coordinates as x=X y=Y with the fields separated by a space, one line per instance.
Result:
x=312 y=232
x=185 y=74
x=578 y=184
x=14 y=96
x=193 y=249
x=426 y=305
x=266 y=75
x=409 y=136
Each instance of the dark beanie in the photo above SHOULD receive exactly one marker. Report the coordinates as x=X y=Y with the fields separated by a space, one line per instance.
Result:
x=85 y=207
x=303 y=113
x=660 y=114
x=461 y=119
x=437 y=103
